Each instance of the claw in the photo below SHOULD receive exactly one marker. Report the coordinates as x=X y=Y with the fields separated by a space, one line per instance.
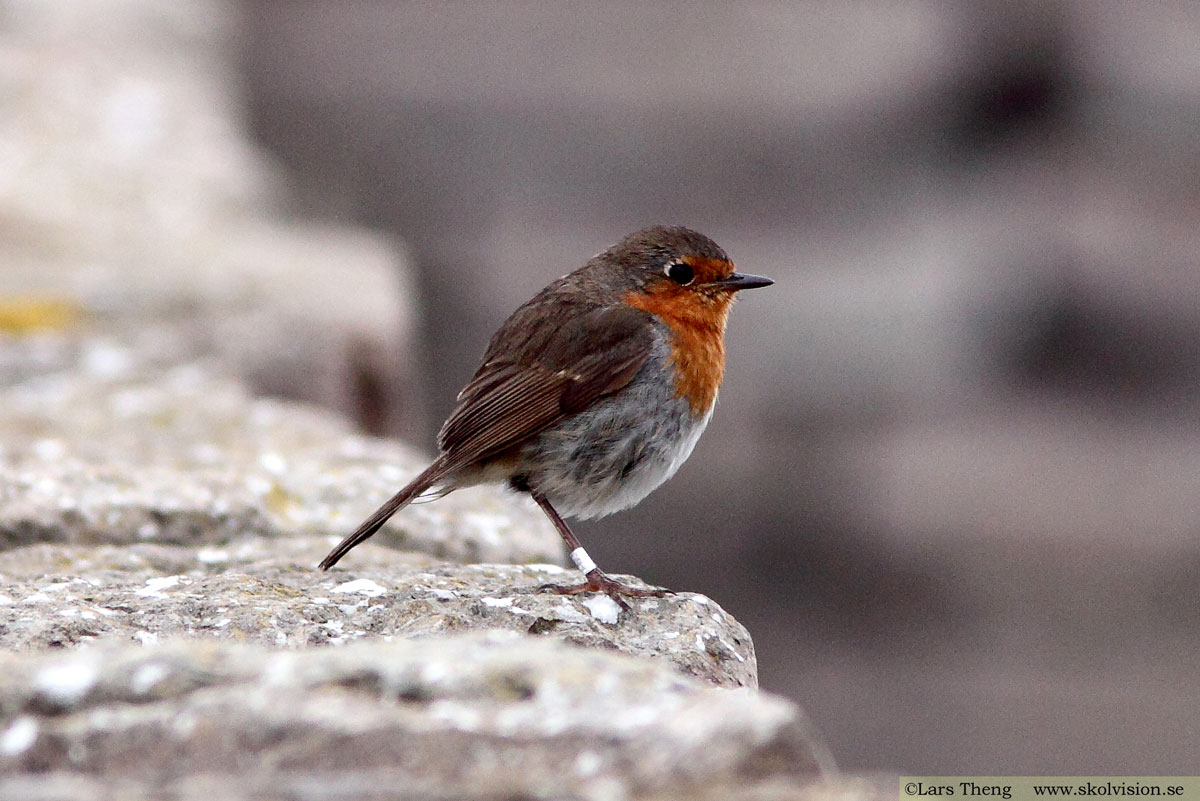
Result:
x=598 y=581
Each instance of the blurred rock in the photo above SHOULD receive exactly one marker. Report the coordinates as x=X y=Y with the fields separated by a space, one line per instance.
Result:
x=463 y=716
x=828 y=788
x=76 y=787
x=132 y=205
x=1051 y=479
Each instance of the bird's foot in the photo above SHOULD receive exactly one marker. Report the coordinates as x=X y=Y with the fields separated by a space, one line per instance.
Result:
x=598 y=581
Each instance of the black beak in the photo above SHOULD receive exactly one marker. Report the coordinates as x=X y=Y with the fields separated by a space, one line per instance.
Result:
x=739 y=281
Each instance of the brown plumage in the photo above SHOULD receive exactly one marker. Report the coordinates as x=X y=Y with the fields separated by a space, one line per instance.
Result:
x=593 y=392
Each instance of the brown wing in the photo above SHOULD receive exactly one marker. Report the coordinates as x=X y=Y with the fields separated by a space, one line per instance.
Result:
x=535 y=374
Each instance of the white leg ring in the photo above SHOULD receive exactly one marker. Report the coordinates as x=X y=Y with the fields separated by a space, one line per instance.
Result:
x=582 y=561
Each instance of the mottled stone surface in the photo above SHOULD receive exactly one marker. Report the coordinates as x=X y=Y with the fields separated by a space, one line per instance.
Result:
x=187 y=456
x=476 y=716
x=268 y=591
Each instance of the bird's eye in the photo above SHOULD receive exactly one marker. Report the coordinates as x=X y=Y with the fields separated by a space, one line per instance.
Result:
x=680 y=272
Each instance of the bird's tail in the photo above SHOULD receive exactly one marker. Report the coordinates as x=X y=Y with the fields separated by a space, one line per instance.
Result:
x=429 y=476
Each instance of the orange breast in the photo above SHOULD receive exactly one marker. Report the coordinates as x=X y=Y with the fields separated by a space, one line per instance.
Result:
x=697 y=323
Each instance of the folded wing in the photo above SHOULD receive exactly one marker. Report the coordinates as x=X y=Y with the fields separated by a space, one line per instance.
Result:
x=534 y=376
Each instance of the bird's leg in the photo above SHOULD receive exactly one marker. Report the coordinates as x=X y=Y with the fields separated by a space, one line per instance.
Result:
x=597 y=580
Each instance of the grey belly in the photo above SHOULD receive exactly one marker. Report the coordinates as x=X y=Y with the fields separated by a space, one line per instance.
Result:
x=611 y=456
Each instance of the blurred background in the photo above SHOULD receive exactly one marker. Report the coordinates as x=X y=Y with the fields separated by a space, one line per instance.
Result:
x=951 y=485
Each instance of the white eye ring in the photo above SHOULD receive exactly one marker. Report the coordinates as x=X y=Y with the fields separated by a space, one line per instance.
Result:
x=680 y=272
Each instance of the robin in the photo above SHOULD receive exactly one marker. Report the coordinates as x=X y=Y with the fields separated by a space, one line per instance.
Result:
x=594 y=392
